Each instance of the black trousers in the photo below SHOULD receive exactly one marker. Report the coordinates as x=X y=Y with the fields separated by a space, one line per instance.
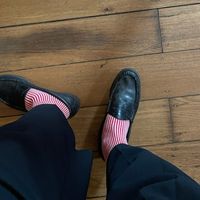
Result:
x=38 y=160
x=137 y=174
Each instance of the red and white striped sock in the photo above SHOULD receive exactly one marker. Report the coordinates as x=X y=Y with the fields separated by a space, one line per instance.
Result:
x=36 y=97
x=114 y=133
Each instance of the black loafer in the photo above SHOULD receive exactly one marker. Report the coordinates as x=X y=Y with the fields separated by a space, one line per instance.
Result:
x=124 y=99
x=13 y=90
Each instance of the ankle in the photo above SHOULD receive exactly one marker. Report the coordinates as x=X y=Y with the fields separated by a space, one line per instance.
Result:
x=36 y=97
x=114 y=133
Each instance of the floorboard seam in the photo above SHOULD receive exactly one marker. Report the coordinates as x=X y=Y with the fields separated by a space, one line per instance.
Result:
x=98 y=60
x=160 y=30
x=93 y=16
x=171 y=118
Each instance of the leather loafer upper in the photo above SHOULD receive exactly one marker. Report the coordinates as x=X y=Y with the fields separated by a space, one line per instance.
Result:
x=14 y=88
x=124 y=95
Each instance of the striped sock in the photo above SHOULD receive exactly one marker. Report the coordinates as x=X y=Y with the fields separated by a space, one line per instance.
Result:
x=36 y=97
x=114 y=133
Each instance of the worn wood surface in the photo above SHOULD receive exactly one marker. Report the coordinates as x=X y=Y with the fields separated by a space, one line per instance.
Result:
x=180 y=28
x=186 y=117
x=32 y=11
x=80 y=40
x=98 y=198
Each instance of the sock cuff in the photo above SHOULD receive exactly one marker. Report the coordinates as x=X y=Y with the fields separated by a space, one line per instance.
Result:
x=36 y=97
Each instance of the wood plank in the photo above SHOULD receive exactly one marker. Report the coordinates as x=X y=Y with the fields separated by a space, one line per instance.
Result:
x=6 y=111
x=180 y=28
x=162 y=76
x=97 y=185
x=33 y=11
x=98 y=198
x=152 y=125
x=7 y=120
x=79 y=40
x=186 y=156
x=186 y=117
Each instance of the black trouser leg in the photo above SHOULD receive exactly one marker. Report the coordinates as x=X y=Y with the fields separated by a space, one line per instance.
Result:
x=135 y=173
x=38 y=157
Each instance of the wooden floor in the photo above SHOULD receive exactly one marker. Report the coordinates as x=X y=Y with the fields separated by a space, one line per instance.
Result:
x=79 y=47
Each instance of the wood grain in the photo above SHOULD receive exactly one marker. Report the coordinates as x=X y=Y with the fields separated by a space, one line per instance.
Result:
x=6 y=111
x=7 y=120
x=80 y=40
x=162 y=76
x=180 y=28
x=33 y=11
x=97 y=186
x=152 y=125
x=98 y=198
x=186 y=118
